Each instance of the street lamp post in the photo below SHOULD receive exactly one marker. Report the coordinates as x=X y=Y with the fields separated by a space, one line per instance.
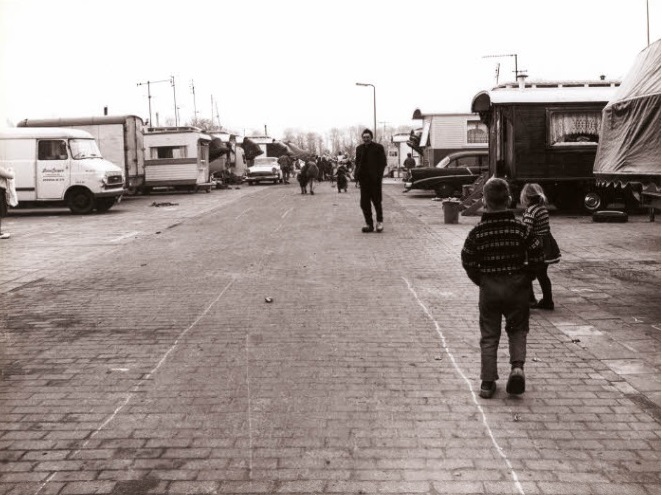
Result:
x=374 y=107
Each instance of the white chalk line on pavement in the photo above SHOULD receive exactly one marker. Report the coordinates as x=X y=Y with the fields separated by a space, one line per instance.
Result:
x=134 y=390
x=242 y=213
x=459 y=371
x=250 y=418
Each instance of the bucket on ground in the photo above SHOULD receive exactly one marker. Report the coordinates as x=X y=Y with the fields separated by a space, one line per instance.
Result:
x=451 y=209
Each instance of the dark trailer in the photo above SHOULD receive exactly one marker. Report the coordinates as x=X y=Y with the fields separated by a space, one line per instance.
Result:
x=545 y=132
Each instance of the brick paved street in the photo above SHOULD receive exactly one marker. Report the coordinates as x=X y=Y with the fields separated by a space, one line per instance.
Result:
x=139 y=354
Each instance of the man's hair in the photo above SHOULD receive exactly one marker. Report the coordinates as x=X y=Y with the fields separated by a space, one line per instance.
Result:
x=496 y=193
x=367 y=131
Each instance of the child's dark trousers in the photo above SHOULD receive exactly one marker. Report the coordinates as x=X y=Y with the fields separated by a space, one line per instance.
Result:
x=504 y=295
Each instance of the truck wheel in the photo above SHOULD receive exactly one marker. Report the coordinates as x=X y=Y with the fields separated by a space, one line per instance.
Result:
x=80 y=201
x=104 y=204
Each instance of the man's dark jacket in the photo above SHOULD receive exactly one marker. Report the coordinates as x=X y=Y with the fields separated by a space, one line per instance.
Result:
x=370 y=162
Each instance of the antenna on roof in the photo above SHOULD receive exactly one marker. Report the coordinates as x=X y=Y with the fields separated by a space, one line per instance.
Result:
x=506 y=55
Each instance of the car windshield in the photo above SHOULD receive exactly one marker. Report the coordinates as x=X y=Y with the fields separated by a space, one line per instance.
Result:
x=443 y=163
x=84 y=148
x=266 y=161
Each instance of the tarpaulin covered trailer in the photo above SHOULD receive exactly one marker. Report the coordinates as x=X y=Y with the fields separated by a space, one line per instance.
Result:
x=627 y=162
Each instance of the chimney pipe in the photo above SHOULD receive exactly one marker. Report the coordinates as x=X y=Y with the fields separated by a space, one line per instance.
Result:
x=105 y=110
x=521 y=80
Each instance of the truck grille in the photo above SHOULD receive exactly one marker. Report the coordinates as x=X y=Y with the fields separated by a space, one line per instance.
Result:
x=114 y=180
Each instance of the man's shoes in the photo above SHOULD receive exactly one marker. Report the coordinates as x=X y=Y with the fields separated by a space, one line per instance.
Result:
x=367 y=229
x=312 y=193
x=542 y=304
x=380 y=227
x=5 y=235
x=516 y=382
x=487 y=389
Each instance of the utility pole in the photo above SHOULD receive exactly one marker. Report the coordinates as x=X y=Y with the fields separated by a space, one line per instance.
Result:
x=384 y=127
x=648 y=26
x=218 y=117
x=174 y=95
x=195 y=108
x=149 y=95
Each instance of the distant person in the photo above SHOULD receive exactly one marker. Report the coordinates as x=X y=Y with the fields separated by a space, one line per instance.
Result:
x=536 y=217
x=303 y=178
x=285 y=163
x=6 y=175
x=409 y=162
x=312 y=173
x=370 y=165
x=341 y=177
x=495 y=256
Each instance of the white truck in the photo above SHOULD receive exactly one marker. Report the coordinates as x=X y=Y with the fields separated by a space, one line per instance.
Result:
x=120 y=139
x=55 y=166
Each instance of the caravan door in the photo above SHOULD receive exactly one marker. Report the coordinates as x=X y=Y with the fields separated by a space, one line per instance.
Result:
x=53 y=168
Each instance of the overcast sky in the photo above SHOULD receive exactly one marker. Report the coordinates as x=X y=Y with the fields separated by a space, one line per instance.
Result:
x=286 y=63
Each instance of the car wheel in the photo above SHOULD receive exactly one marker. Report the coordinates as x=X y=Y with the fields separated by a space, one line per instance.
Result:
x=80 y=201
x=593 y=202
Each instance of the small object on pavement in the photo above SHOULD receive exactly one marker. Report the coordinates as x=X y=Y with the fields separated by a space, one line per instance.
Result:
x=268 y=299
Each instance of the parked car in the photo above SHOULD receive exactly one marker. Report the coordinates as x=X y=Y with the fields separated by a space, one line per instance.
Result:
x=264 y=169
x=450 y=174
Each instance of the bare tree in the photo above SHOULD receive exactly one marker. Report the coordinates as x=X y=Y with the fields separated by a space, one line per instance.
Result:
x=204 y=124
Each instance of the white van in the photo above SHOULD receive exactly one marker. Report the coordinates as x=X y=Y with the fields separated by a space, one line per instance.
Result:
x=60 y=166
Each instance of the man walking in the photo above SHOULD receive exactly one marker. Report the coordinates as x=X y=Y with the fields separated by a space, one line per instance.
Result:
x=285 y=163
x=370 y=165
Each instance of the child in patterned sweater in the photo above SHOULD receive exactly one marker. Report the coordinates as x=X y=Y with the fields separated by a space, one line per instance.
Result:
x=500 y=255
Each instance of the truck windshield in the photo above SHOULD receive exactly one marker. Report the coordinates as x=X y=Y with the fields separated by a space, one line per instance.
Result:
x=84 y=148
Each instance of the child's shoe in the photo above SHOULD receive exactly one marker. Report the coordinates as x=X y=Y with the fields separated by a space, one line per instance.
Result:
x=516 y=382
x=487 y=389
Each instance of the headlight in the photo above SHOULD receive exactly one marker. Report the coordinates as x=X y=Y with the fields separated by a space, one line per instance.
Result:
x=274 y=170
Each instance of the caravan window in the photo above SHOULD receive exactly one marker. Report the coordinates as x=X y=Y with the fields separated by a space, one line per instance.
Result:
x=158 y=152
x=573 y=126
x=476 y=132
x=52 y=149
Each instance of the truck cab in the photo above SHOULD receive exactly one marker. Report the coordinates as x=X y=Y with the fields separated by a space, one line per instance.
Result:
x=60 y=166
